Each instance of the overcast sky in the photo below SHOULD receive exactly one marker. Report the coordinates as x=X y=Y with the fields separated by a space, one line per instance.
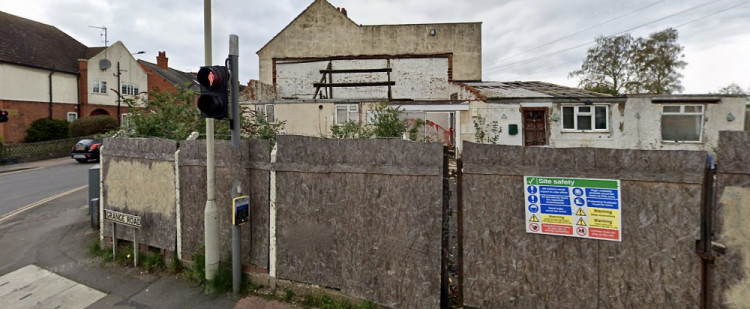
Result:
x=521 y=39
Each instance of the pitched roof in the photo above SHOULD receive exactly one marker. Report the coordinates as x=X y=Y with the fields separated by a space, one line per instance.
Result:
x=177 y=78
x=533 y=89
x=30 y=43
x=309 y=7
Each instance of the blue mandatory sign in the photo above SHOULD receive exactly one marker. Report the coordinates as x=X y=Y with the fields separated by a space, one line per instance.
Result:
x=579 y=201
x=531 y=189
x=577 y=191
x=533 y=199
x=533 y=208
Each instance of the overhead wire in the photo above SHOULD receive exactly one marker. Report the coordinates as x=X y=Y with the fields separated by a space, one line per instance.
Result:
x=678 y=26
x=579 y=32
x=533 y=59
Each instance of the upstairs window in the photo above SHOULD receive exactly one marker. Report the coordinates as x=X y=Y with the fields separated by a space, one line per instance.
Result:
x=681 y=123
x=346 y=113
x=100 y=86
x=129 y=89
x=585 y=117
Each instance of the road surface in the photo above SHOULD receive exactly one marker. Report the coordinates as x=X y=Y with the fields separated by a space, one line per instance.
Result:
x=38 y=181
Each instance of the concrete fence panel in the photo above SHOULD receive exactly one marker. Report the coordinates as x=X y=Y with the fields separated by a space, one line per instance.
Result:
x=731 y=229
x=138 y=179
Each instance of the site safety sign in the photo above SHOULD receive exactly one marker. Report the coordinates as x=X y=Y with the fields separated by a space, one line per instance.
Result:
x=575 y=207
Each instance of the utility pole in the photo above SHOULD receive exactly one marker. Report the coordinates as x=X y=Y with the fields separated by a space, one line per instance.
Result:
x=119 y=94
x=210 y=213
x=234 y=52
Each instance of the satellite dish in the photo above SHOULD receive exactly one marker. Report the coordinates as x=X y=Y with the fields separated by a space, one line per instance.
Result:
x=104 y=64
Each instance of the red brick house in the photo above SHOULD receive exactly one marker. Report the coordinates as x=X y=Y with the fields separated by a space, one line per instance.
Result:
x=163 y=78
x=45 y=73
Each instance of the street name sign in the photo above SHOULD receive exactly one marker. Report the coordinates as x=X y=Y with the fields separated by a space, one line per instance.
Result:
x=122 y=218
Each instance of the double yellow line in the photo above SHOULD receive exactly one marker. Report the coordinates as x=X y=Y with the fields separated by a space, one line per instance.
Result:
x=40 y=202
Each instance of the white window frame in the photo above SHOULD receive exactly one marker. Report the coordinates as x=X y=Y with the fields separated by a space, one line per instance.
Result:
x=264 y=108
x=682 y=112
x=350 y=108
x=99 y=86
x=75 y=116
x=592 y=113
x=125 y=120
x=129 y=89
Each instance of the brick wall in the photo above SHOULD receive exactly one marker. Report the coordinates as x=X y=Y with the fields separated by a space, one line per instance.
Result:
x=22 y=113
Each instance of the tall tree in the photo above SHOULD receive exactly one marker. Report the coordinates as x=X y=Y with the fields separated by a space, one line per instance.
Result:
x=657 y=61
x=733 y=88
x=621 y=64
x=608 y=66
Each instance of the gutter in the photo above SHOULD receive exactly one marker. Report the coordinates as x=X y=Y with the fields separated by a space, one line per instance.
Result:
x=50 y=91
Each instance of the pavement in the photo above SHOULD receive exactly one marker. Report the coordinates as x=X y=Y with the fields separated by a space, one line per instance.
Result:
x=44 y=262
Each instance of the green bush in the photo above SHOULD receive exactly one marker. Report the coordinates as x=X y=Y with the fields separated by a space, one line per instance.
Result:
x=44 y=129
x=92 y=125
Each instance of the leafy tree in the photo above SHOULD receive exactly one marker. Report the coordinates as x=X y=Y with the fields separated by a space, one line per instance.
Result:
x=170 y=115
x=173 y=115
x=657 y=60
x=45 y=129
x=386 y=123
x=608 y=67
x=350 y=130
x=733 y=88
x=621 y=64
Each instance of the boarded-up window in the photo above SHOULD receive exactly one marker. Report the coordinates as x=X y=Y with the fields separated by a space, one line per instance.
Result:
x=585 y=117
x=682 y=123
x=266 y=111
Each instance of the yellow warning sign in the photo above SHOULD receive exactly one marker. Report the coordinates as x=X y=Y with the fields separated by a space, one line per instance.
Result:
x=604 y=223
x=580 y=212
x=557 y=219
x=581 y=222
x=606 y=213
x=533 y=219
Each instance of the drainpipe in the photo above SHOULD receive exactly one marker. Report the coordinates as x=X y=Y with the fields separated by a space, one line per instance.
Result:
x=50 y=92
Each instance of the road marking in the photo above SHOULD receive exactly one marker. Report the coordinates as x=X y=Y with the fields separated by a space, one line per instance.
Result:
x=37 y=203
x=21 y=170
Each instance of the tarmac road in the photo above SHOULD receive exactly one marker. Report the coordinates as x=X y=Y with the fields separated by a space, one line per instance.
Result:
x=53 y=233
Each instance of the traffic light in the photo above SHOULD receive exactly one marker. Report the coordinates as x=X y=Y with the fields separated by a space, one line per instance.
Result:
x=213 y=101
x=3 y=116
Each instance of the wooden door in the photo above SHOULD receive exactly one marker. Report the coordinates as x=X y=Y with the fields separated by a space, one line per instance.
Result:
x=534 y=126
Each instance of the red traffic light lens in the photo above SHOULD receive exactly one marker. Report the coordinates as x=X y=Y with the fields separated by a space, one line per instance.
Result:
x=213 y=78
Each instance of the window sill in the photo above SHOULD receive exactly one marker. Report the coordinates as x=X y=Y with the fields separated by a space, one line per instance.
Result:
x=682 y=142
x=585 y=131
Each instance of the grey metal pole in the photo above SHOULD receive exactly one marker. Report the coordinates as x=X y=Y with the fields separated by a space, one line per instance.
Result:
x=234 y=51
x=211 y=214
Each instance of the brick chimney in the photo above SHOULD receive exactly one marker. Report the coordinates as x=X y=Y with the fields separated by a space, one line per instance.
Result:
x=162 y=60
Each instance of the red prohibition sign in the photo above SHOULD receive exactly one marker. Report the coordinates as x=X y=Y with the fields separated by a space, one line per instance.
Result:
x=534 y=227
x=581 y=231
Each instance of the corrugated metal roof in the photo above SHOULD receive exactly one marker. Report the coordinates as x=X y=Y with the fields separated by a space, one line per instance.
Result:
x=532 y=89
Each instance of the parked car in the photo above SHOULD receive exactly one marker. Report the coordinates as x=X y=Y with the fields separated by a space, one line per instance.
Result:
x=85 y=150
